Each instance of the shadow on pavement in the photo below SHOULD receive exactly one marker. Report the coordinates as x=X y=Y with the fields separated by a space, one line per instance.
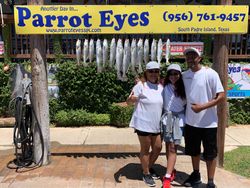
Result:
x=98 y=155
x=133 y=171
x=106 y=155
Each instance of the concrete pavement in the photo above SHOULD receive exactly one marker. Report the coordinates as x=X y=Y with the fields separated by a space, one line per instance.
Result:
x=106 y=157
x=235 y=136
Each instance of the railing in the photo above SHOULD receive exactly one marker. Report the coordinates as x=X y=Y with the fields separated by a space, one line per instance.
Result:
x=239 y=45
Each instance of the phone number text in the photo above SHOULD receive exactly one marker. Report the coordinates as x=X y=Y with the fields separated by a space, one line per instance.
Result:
x=189 y=16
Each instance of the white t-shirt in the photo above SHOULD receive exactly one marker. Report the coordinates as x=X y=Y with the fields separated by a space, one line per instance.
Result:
x=173 y=103
x=201 y=87
x=148 y=109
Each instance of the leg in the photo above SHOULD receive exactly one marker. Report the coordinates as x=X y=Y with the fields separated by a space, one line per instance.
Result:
x=193 y=137
x=171 y=159
x=167 y=151
x=211 y=166
x=196 y=162
x=145 y=142
x=171 y=156
x=210 y=152
x=192 y=145
x=156 y=146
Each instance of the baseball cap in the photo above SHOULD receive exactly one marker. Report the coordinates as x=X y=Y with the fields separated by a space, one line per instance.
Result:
x=174 y=67
x=152 y=65
x=192 y=49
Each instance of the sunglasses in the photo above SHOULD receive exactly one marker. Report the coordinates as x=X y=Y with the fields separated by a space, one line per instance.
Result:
x=173 y=74
x=153 y=71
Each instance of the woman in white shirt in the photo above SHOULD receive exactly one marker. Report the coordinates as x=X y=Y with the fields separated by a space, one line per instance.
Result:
x=174 y=101
x=147 y=97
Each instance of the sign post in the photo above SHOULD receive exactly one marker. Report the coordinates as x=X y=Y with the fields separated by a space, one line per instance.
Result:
x=220 y=60
x=40 y=95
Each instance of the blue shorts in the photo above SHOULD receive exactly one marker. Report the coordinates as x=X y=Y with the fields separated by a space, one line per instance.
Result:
x=170 y=138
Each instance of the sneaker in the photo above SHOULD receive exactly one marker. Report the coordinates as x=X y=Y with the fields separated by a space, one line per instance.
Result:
x=166 y=182
x=211 y=185
x=193 y=179
x=173 y=174
x=147 y=178
x=153 y=174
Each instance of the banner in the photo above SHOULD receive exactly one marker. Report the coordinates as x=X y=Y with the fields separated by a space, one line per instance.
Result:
x=53 y=88
x=238 y=81
x=129 y=19
x=177 y=48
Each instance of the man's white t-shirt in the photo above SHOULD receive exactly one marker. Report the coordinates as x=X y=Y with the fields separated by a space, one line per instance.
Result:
x=201 y=87
x=148 y=109
x=173 y=103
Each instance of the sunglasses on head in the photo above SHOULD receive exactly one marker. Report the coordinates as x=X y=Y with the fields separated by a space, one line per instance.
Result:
x=153 y=71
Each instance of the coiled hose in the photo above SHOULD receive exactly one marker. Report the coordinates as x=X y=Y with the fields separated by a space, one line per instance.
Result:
x=23 y=132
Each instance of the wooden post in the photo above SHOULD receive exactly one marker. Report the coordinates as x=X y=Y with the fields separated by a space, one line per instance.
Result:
x=220 y=59
x=40 y=94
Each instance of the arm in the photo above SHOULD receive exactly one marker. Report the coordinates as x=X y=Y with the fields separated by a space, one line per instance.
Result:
x=132 y=99
x=199 y=107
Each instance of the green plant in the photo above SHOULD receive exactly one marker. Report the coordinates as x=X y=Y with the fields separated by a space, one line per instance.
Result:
x=80 y=118
x=6 y=38
x=98 y=119
x=61 y=118
x=54 y=107
x=239 y=110
x=84 y=88
x=208 y=41
x=120 y=114
x=5 y=92
x=57 y=48
x=206 y=61
x=238 y=161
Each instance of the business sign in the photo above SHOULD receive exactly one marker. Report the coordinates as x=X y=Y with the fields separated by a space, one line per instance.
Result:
x=177 y=48
x=96 y=19
x=238 y=81
x=1 y=47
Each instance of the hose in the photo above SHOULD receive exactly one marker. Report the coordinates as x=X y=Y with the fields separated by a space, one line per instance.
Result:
x=23 y=132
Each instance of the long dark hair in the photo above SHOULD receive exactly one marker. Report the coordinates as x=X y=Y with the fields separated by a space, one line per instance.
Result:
x=179 y=85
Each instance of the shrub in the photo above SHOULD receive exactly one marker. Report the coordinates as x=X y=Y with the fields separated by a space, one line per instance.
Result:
x=57 y=48
x=5 y=91
x=61 y=118
x=239 y=110
x=84 y=88
x=98 y=119
x=120 y=114
x=54 y=107
x=80 y=118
